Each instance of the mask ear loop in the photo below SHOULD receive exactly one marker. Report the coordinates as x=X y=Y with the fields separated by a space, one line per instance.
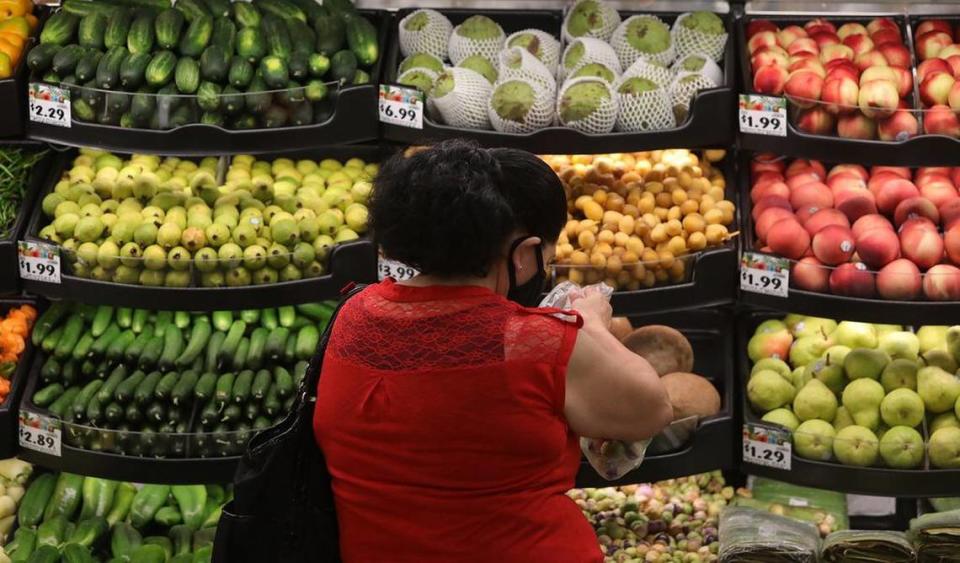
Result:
x=511 y=271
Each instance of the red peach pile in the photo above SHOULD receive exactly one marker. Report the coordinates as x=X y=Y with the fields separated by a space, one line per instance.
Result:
x=852 y=80
x=888 y=231
x=939 y=76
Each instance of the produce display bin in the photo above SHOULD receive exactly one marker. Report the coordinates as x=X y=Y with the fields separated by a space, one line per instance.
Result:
x=711 y=445
x=354 y=261
x=711 y=122
x=9 y=407
x=353 y=119
x=879 y=481
x=9 y=274
x=13 y=90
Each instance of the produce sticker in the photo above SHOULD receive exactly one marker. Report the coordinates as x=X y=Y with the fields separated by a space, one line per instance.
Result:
x=765 y=274
x=49 y=104
x=387 y=268
x=401 y=106
x=763 y=115
x=38 y=261
x=767 y=445
x=39 y=433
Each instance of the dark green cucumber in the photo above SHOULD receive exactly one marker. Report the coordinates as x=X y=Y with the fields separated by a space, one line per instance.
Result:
x=82 y=349
x=224 y=388
x=343 y=65
x=144 y=391
x=159 y=70
x=362 y=40
x=242 y=386
x=141 y=36
x=258 y=340
x=167 y=28
x=48 y=395
x=205 y=387
x=276 y=343
x=134 y=414
x=117 y=376
x=271 y=403
x=66 y=341
x=117 y=347
x=156 y=412
x=40 y=57
x=86 y=69
x=257 y=100
x=302 y=37
x=50 y=371
x=60 y=406
x=172 y=347
x=208 y=96
x=213 y=350
x=132 y=354
x=299 y=66
x=214 y=63
x=59 y=28
x=277 y=36
x=240 y=73
x=151 y=352
x=99 y=347
x=218 y=8
x=101 y=320
x=91 y=30
x=232 y=341
x=281 y=9
x=184 y=388
x=331 y=34
x=133 y=69
x=261 y=384
x=80 y=403
x=239 y=359
x=231 y=101
x=192 y=9
x=165 y=386
x=283 y=381
x=187 y=75
x=199 y=336
x=70 y=373
x=118 y=27
x=94 y=411
x=197 y=36
x=108 y=69
x=66 y=59
x=125 y=390
x=224 y=35
x=113 y=412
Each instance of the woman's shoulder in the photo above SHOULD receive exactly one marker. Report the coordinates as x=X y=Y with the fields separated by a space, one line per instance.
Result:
x=540 y=335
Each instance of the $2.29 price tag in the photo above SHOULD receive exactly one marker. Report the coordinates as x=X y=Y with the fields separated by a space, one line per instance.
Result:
x=763 y=115
x=49 y=104
x=401 y=106
x=39 y=433
x=392 y=269
x=769 y=275
x=38 y=261
x=766 y=445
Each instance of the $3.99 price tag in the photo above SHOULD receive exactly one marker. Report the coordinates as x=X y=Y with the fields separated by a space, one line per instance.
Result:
x=766 y=445
x=39 y=433
x=38 y=261
x=392 y=269
x=763 y=115
x=49 y=104
x=769 y=275
x=401 y=106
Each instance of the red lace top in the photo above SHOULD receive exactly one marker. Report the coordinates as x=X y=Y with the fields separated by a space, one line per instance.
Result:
x=440 y=412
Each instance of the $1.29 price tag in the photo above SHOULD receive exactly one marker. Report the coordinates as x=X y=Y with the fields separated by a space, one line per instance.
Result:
x=49 y=104
x=397 y=270
x=39 y=433
x=766 y=445
x=763 y=115
x=39 y=261
x=401 y=106
x=769 y=275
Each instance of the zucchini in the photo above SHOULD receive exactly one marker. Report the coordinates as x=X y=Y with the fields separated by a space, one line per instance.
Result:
x=59 y=29
x=167 y=28
x=91 y=30
x=159 y=70
x=343 y=65
x=133 y=69
x=214 y=64
x=187 y=75
x=118 y=27
x=240 y=73
x=197 y=36
x=141 y=36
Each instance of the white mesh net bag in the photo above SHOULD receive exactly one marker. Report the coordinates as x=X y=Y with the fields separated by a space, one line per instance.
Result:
x=483 y=66
x=698 y=63
x=465 y=104
x=520 y=106
x=539 y=43
x=477 y=35
x=425 y=31
x=590 y=18
x=588 y=104
x=587 y=50
x=422 y=78
x=517 y=62
x=420 y=60
x=645 y=69
x=703 y=32
x=683 y=90
x=640 y=109
x=651 y=40
x=597 y=70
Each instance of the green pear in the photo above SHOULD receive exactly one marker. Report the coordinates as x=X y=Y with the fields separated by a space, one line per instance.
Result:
x=941 y=358
x=855 y=335
x=902 y=407
x=939 y=389
x=843 y=419
x=856 y=445
x=774 y=364
x=763 y=344
x=899 y=374
x=784 y=417
x=813 y=439
x=806 y=349
x=800 y=377
x=886 y=329
x=836 y=354
x=944 y=448
x=801 y=325
x=815 y=400
x=862 y=398
x=830 y=374
x=943 y=420
x=952 y=340
x=865 y=363
x=901 y=447
x=932 y=337
x=901 y=344
x=768 y=390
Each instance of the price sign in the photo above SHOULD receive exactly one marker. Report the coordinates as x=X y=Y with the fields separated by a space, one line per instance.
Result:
x=769 y=275
x=763 y=115
x=39 y=433
x=39 y=261
x=401 y=106
x=49 y=104
x=396 y=270
x=766 y=445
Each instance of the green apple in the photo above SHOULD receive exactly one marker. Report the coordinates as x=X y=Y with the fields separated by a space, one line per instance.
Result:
x=899 y=374
x=813 y=439
x=865 y=363
x=944 y=448
x=856 y=445
x=768 y=390
x=783 y=417
x=855 y=335
x=939 y=389
x=902 y=407
x=815 y=400
x=901 y=344
x=862 y=398
x=901 y=447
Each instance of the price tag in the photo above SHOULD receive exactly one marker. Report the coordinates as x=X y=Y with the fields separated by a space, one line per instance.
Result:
x=49 y=104
x=39 y=261
x=761 y=273
x=39 y=433
x=766 y=445
x=401 y=106
x=763 y=115
x=396 y=270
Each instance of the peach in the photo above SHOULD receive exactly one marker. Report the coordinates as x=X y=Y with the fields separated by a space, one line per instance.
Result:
x=762 y=39
x=770 y=188
x=804 y=214
x=854 y=204
x=955 y=175
x=954 y=62
x=815 y=121
x=840 y=95
x=878 y=98
x=953 y=97
x=842 y=69
x=833 y=245
x=852 y=280
x=766 y=162
x=904 y=83
x=895 y=54
x=916 y=207
x=898 y=127
x=942 y=283
x=818 y=25
x=756 y=26
x=879 y=73
x=921 y=244
x=924 y=171
x=825 y=39
x=878 y=247
x=809 y=64
x=802 y=178
x=941 y=120
x=787 y=35
x=764 y=174
x=833 y=52
x=930 y=66
x=951 y=50
x=810 y=275
x=937 y=188
x=870 y=222
x=855 y=169
x=769 y=218
x=892 y=192
x=856 y=126
x=930 y=43
x=788 y=238
x=767 y=57
x=951 y=243
x=950 y=214
x=869 y=59
x=814 y=194
x=901 y=171
x=803 y=45
x=851 y=28
x=935 y=88
x=802 y=165
x=886 y=37
x=899 y=280
x=933 y=25
x=770 y=79
x=803 y=88
x=824 y=218
x=845 y=182
x=858 y=44
x=770 y=201
x=877 y=24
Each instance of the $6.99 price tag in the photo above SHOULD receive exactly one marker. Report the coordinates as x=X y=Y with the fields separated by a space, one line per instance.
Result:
x=49 y=104
x=39 y=433
x=766 y=445
x=763 y=115
x=768 y=275
x=401 y=106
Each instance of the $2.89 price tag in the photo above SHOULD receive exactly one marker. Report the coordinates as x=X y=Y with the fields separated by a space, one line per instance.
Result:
x=401 y=106
x=39 y=433
x=769 y=275
x=392 y=269
x=766 y=445
x=763 y=115
x=49 y=104
x=38 y=261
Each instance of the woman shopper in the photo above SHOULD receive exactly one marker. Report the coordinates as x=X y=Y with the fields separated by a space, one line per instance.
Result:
x=447 y=410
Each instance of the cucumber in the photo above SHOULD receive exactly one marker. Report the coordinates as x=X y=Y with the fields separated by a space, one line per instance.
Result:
x=172 y=347
x=47 y=395
x=283 y=381
x=124 y=392
x=232 y=341
x=66 y=59
x=163 y=318
x=113 y=412
x=261 y=384
x=82 y=349
x=268 y=319
x=117 y=376
x=108 y=70
x=63 y=402
x=46 y=553
x=318 y=65
x=224 y=35
x=205 y=387
x=165 y=386
x=331 y=34
x=197 y=36
x=167 y=28
x=40 y=57
x=231 y=413
x=362 y=40
x=244 y=121
x=144 y=391
x=187 y=75
x=274 y=71
x=192 y=9
x=277 y=36
x=80 y=403
x=222 y=320
x=299 y=66
x=239 y=359
x=251 y=411
x=50 y=371
x=139 y=321
x=208 y=96
x=271 y=403
x=214 y=63
x=199 y=336
x=343 y=65
x=240 y=73
x=94 y=411
x=133 y=70
x=141 y=36
x=210 y=414
x=51 y=339
x=125 y=317
x=68 y=339
x=287 y=315
x=35 y=500
x=213 y=351
x=156 y=412
x=218 y=8
x=159 y=70
x=224 y=388
x=231 y=101
x=99 y=347
x=290 y=350
x=101 y=320
x=242 y=386
x=257 y=100
x=276 y=342
x=64 y=501
x=118 y=27
x=151 y=352
x=91 y=30
x=258 y=340
x=184 y=388
x=86 y=69
x=134 y=414
x=307 y=340
x=59 y=28
x=250 y=44
x=132 y=354
x=282 y=9
x=302 y=37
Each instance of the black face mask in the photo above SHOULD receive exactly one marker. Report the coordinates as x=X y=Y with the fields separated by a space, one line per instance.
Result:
x=530 y=293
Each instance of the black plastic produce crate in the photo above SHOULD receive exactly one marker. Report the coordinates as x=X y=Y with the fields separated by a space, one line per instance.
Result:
x=9 y=274
x=879 y=481
x=710 y=124
x=353 y=119
x=10 y=407
x=13 y=90
x=712 y=444
x=351 y=262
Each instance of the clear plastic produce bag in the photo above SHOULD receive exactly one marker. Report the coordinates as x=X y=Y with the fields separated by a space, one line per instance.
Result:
x=756 y=536
x=867 y=545
x=611 y=459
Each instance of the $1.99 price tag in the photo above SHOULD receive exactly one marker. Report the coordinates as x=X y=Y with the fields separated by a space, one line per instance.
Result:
x=392 y=269
x=769 y=275
x=401 y=106
x=766 y=445
x=39 y=433
x=38 y=261
x=49 y=104
x=763 y=115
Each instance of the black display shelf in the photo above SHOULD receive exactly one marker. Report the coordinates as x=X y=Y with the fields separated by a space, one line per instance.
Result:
x=351 y=262
x=18 y=382
x=711 y=122
x=9 y=274
x=878 y=481
x=13 y=90
x=827 y=304
x=353 y=120
x=711 y=446
x=922 y=150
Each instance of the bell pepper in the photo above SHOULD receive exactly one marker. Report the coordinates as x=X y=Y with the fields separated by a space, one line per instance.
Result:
x=11 y=55
x=18 y=25
x=14 y=8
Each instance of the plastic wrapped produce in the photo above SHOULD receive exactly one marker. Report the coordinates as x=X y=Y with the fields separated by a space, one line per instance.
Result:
x=936 y=537
x=755 y=536
x=867 y=545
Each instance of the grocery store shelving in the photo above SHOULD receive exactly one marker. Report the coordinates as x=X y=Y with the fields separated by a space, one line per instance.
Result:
x=9 y=275
x=9 y=408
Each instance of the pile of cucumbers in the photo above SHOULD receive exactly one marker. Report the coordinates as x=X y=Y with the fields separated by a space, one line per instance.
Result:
x=76 y=519
x=172 y=384
x=239 y=65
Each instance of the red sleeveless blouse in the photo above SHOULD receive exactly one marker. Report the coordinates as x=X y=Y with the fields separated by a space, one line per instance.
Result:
x=440 y=413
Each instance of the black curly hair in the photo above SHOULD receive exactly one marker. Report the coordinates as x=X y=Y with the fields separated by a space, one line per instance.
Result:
x=449 y=210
